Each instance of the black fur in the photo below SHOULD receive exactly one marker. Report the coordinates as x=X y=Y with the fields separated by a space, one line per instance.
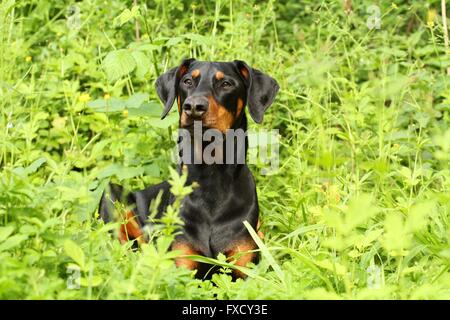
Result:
x=226 y=194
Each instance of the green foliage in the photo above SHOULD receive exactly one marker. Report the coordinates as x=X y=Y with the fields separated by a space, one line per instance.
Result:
x=359 y=208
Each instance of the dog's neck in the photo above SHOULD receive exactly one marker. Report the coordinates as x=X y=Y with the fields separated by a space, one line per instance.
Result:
x=232 y=162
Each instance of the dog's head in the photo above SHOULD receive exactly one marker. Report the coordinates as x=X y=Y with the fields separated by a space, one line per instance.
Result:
x=216 y=92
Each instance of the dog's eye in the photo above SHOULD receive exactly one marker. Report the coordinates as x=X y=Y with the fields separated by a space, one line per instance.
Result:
x=188 y=82
x=226 y=84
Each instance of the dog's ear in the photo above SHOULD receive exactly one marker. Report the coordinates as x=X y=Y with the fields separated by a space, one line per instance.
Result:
x=167 y=84
x=261 y=90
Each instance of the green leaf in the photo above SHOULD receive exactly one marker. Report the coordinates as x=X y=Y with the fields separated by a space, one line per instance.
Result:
x=49 y=254
x=168 y=121
x=336 y=267
x=163 y=244
x=110 y=105
x=28 y=229
x=142 y=63
x=359 y=211
x=97 y=104
x=337 y=243
x=35 y=165
x=333 y=218
x=410 y=177
x=75 y=252
x=93 y=281
x=97 y=149
x=148 y=47
x=12 y=242
x=147 y=109
x=136 y=100
x=108 y=171
x=173 y=41
x=396 y=239
x=5 y=232
x=369 y=237
x=120 y=171
x=129 y=172
x=265 y=252
x=118 y=64
x=126 y=16
x=417 y=217
x=199 y=39
x=138 y=107
x=445 y=254
x=152 y=170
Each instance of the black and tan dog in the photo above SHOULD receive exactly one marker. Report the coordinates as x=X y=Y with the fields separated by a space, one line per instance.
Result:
x=214 y=93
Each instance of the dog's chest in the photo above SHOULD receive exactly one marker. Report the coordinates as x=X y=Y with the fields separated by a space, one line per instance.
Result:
x=214 y=212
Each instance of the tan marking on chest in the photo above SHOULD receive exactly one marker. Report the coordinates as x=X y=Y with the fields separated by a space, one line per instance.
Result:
x=239 y=253
x=186 y=249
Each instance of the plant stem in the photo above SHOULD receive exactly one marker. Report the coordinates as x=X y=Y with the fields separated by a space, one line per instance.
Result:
x=136 y=24
x=444 y=25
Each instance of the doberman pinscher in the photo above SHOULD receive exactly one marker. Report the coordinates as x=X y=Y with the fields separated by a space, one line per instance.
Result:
x=213 y=94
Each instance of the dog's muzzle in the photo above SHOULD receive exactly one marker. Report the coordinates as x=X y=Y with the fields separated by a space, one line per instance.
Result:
x=195 y=106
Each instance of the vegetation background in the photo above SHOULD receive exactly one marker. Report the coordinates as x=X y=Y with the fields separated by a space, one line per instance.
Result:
x=359 y=208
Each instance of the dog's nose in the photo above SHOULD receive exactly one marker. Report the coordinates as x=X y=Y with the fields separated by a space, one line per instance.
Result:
x=195 y=106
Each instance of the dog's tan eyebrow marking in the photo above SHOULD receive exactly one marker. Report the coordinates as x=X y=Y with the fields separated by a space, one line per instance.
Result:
x=219 y=75
x=195 y=73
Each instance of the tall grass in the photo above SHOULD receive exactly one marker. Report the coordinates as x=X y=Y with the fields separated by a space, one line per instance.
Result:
x=359 y=207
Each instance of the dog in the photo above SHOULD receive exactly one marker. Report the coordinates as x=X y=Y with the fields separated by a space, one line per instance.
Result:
x=213 y=94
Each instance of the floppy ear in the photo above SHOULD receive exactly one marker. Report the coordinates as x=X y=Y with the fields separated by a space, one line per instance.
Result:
x=167 y=84
x=261 y=90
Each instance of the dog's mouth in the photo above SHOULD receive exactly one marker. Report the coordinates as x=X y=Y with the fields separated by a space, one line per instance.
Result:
x=188 y=122
x=203 y=122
